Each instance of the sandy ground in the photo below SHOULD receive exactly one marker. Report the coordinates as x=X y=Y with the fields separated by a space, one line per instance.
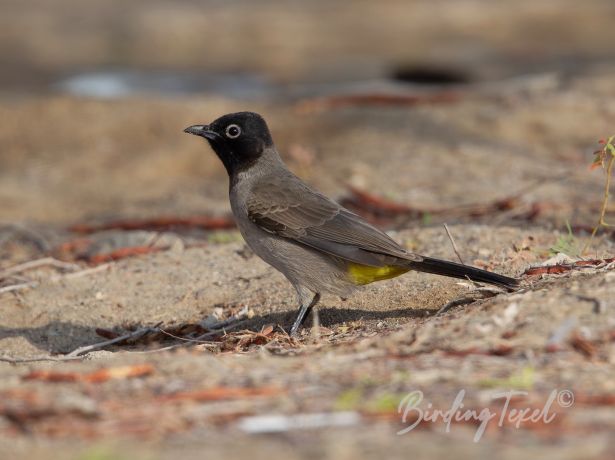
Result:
x=67 y=160
x=373 y=348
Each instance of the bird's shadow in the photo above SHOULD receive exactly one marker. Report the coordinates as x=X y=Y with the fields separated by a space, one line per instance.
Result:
x=332 y=316
x=59 y=337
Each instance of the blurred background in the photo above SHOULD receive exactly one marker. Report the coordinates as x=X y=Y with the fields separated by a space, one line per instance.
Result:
x=266 y=48
x=384 y=95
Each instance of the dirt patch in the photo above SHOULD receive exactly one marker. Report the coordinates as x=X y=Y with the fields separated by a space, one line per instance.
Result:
x=372 y=350
x=207 y=365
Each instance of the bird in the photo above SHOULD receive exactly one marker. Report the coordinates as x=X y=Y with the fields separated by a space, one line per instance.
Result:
x=317 y=244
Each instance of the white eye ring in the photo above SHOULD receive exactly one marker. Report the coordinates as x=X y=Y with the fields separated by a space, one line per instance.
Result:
x=232 y=131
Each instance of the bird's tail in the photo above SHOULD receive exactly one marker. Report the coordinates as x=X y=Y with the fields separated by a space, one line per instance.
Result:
x=455 y=270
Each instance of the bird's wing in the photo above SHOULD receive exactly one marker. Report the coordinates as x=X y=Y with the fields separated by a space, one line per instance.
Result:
x=289 y=208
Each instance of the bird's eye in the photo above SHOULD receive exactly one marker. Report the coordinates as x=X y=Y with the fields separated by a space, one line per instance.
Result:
x=233 y=131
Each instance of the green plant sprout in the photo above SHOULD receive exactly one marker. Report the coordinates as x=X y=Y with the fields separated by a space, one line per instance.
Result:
x=566 y=244
x=604 y=158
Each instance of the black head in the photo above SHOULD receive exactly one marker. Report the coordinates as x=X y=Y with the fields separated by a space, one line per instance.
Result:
x=238 y=139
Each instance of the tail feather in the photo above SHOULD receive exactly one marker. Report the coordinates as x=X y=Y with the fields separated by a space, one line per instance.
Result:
x=455 y=270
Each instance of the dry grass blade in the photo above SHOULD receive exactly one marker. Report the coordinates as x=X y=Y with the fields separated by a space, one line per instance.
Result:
x=38 y=359
x=54 y=279
x=605 y=157
x=450 y=237
x=215 y=330
x=18 y=287
x=558 y=269
x=38 y=263
x=132 y=335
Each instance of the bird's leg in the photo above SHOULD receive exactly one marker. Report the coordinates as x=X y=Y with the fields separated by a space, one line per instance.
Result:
x=304 y=309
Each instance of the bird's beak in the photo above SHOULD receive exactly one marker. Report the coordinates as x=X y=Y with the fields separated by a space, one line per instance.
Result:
x=201 y=130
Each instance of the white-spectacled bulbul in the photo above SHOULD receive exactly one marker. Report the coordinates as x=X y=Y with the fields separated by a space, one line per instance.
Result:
x=317 y=244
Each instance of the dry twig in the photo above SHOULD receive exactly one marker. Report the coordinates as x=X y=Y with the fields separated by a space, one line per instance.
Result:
x=214 y=330
x=450 y=237
x=558 y=269
x=158 y=223
x=455 y=303
x=54 y=279
x=35 y=359
x=132 y=335
x=605 y=157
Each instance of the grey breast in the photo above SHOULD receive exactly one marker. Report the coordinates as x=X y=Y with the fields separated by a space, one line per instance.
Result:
x=302 y=265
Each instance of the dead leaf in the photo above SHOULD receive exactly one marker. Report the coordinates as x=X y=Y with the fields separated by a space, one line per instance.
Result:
x=222 y=393
x=102 y=375
x=120 y=372
x=582 y=345
x=52 y=376
x=106 y=333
